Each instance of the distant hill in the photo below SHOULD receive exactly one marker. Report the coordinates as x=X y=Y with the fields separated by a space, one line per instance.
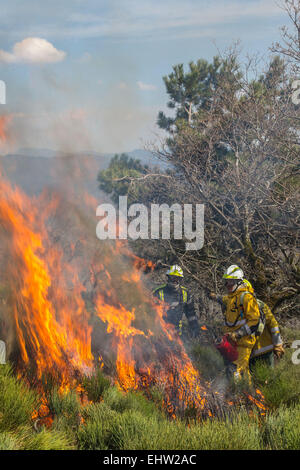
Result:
x=35 y=169
x=143 y=155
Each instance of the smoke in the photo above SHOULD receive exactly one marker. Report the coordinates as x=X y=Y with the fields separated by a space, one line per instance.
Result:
x=72 y=299
x=81 y=108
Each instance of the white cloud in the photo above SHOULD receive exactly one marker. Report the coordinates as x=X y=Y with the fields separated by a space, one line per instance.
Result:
x=145 y=86
x=32 y=50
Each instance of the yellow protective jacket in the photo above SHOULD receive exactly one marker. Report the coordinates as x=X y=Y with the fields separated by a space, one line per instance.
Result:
x=271 y=335
x=242 y=311
x=242 y=316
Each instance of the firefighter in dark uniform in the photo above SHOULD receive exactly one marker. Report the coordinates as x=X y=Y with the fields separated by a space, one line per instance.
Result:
x=178 y=301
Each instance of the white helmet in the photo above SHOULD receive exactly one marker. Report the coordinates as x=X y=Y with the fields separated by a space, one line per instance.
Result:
x=175 y=270
x=233 y=272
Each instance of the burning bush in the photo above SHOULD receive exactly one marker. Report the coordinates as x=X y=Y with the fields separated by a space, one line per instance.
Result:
x=66 y=290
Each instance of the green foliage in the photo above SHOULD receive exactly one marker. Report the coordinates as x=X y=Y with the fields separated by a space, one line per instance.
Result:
x=282 y=430
x=108 y=429
x=45 y=440
x=17 y=402
x=95 y=433
x=224 y=160
x=238 y=432
x=65 y=407
x=289 y=335
x=8 y=442
x=191 y=91
x=133 y=430
x=156 y=395
x=280 y=385
x=130 y=401
x=95 y=385
x=132 y=422
x=121 y=166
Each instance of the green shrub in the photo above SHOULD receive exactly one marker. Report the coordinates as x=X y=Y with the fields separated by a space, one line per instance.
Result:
x=279 y=385
x=65 y=407
x=238 y=432
x=96 y=385
x=104 y=428
x=132 y=430
x=94 y=433
x=282 y=430
x=156 y=395
x=8 y=442
x=46 y=440
x=17 y=402
x=131 y=421
x=132 y=400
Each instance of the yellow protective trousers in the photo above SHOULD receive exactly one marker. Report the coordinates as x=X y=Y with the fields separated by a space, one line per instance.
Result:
x=244 y=348
x=242 y=318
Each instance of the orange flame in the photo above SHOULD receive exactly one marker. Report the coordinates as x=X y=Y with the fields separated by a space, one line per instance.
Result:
x=52 y=333
x=4 y=121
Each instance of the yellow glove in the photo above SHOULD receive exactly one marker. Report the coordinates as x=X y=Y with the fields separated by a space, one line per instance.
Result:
x=279 y=351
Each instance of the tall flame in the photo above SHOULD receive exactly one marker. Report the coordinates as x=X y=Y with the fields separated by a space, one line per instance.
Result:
x=52 y=330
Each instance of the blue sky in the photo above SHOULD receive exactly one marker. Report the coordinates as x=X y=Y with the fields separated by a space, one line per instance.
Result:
x=87 y=74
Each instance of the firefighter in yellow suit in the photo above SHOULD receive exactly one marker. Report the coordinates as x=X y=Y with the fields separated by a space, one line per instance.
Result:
x=242 y=318
x=270 y=342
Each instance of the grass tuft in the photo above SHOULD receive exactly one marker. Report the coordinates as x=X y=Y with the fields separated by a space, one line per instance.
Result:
x=17 y=402
x=96 y=385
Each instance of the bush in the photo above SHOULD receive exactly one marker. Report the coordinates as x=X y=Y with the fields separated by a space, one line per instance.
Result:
x=132 y=400
x=104 y=428
x=238 y=432
x=95 y=432
x=8 y=442
x=279 y=385
x=130 y=421
x=65 y=407
x=45 y=440
x=133 y=431
x=17 y=402
x=96 y=385
x=282 y=429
